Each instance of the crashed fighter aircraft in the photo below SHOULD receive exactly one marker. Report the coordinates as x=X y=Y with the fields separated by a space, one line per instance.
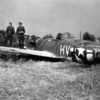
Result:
x=72 y=49
x=67 y=48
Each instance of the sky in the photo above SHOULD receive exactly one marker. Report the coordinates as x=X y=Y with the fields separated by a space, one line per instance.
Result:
x=41 y=17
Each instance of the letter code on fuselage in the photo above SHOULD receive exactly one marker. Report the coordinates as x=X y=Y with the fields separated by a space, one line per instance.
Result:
x=65 y=50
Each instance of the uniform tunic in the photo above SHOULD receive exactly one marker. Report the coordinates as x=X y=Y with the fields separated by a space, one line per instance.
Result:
x=20 y=31
x=9 y=37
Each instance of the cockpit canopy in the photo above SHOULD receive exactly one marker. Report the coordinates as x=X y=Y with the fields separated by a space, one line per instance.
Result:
x=67 y=35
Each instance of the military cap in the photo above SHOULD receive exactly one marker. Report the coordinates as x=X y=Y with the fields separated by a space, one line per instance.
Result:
x=10 y=23
x=20 y=23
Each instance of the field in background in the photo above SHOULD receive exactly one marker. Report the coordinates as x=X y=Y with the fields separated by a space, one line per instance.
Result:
x=48 y=81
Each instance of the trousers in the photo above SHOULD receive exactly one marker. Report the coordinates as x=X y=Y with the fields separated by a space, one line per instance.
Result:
x=21 y=40
x=9 y=39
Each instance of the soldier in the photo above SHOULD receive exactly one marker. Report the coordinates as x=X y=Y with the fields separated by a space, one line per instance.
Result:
x=20 y=32
x=9 y=36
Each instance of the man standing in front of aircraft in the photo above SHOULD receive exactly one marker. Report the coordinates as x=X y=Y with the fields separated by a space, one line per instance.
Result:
x=9 y=36
x=20 y=32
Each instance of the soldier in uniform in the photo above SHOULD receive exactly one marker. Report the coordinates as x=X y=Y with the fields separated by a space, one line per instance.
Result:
x=20 y=32
x=9 y=36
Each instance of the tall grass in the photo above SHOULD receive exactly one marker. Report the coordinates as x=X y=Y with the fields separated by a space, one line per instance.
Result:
x=41 y=80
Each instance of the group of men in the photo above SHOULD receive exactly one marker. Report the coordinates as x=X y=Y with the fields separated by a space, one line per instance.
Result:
x=10 y=31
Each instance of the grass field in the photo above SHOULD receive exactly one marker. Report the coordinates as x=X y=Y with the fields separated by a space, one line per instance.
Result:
x=41 y=80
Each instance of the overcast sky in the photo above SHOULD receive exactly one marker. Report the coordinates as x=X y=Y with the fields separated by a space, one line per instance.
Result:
x=42 y=17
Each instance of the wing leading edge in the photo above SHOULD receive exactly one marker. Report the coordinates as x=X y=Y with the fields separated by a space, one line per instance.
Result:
x=30 y=52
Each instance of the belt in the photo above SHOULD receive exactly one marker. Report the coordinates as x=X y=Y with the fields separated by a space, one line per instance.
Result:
x=20 y=33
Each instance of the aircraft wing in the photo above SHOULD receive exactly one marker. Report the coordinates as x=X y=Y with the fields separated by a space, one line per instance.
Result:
x=30 y=52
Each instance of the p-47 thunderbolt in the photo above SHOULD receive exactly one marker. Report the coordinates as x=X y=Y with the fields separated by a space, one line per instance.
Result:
x=66 y=48
x=72 y=49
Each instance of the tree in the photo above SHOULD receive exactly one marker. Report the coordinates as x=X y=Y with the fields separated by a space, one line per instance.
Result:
x=48 y=36
x=88 y=36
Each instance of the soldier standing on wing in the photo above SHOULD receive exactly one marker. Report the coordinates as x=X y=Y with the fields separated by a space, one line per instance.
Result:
x=9 y=36
x=20 y=32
